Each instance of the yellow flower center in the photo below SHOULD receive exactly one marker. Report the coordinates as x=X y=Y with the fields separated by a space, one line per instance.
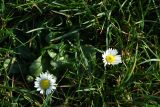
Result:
x=45 y=84
x=110 y=58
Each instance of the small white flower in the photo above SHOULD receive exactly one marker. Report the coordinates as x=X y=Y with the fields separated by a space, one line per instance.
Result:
x=110 y=57
x=45 y=83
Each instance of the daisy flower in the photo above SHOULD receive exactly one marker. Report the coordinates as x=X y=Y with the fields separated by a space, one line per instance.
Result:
x=45 y=83
x=110 y=57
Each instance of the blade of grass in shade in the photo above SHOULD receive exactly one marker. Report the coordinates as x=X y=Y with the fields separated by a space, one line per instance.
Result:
x=130 y=71
x=149 y=60
x=33 y=30
x=150 y=49
x=66 y=35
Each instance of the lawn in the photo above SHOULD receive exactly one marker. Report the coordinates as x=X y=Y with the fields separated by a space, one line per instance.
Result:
x=79 y=53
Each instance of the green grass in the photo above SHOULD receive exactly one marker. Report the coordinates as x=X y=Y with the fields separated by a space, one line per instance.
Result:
x=68 y=37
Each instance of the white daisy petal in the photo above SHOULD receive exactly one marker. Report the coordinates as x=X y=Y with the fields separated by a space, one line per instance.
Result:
x=46 y=82
x=41 y=91
x=110 y=57
x=48 y=91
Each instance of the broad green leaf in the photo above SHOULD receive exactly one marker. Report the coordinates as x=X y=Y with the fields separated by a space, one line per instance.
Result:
x=36 y=67
x=6 y=63
x=24 y=52
x=55 y=64
x=13 y=66
x=51 y=54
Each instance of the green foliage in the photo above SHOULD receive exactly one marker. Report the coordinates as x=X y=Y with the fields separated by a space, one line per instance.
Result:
x=67 y=38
